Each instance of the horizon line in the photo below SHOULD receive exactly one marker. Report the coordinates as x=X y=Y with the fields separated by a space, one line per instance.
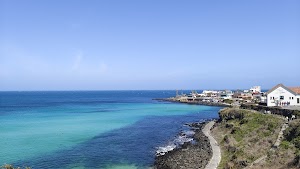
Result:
x=83 y=90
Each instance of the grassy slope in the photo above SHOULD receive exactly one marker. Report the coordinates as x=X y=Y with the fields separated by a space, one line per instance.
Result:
x=288 y=153
x=246 y=135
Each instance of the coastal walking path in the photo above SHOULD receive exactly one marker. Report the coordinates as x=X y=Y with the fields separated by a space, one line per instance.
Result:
x=216 y=157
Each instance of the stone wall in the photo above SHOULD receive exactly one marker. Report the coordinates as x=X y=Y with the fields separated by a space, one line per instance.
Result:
x=273 y=110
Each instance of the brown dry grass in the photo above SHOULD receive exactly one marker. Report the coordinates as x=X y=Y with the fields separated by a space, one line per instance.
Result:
x=245 y=136
x=280 y=159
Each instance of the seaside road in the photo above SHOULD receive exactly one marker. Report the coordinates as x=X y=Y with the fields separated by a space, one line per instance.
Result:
x=216 y=157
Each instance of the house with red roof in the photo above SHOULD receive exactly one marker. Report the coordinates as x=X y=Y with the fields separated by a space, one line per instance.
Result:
x=281 y=95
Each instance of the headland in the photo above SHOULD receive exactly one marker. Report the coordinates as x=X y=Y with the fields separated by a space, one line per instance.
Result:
x=247 y=139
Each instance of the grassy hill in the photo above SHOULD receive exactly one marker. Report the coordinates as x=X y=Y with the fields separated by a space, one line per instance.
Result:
x=246 y=136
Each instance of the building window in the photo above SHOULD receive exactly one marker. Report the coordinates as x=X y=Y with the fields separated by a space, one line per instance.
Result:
x=270 y=98
x=298 y=100
x=281 y=97
x=292 y=98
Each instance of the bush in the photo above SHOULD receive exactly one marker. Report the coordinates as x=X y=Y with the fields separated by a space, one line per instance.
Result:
x=230 y=114
x=244 y=121
x=292 y=133
x=296 y=141
x=285 y=144
x=226 y=139
x=228 y=125
x=235 y=130
x=228 y=101
x=271 y=126
x=296 y=161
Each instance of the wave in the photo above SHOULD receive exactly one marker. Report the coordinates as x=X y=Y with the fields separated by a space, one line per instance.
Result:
x=184 y=137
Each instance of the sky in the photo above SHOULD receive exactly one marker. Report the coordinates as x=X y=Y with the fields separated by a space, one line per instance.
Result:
x=148 y=44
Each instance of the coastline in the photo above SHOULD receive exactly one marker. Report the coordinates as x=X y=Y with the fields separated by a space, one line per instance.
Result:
x=173 y=100
x=267 y=142
x=195 y=154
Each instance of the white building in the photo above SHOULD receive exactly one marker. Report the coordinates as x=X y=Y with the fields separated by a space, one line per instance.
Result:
x=281 y=95
x=226 y=94
x=210 y=93
x=255 y=89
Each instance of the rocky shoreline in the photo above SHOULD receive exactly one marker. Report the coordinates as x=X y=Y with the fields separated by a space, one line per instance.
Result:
x=193 y=102
x=195 y=154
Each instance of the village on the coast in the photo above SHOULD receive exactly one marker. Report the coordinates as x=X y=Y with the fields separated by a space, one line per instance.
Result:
x=280 y=100
x=279 y=96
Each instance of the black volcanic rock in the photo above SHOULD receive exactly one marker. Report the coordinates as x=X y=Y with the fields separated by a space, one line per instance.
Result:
x=190 y=155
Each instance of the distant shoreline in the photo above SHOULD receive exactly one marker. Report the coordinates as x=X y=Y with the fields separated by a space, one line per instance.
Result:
x=193 y=102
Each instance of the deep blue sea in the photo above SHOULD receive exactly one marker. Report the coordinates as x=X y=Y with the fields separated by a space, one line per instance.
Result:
x=90 y=129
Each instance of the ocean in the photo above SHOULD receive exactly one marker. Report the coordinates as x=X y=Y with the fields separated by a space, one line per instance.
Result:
x=90 y=129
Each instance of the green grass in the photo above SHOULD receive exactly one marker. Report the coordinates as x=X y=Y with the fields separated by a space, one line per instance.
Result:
x=285 y=144
x=292 y=141
x=247 y=135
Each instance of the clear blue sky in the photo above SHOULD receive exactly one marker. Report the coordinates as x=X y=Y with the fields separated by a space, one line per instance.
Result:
x=148 y=44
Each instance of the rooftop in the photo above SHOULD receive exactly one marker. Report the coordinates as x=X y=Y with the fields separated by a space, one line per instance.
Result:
x=295 y=89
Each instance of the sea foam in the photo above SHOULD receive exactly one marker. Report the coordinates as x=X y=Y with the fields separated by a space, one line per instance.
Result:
x=184 y=137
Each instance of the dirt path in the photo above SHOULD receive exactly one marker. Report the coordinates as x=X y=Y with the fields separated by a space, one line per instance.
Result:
x=216 y=158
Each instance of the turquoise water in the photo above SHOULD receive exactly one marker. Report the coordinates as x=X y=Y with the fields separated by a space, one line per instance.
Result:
x=90 y=129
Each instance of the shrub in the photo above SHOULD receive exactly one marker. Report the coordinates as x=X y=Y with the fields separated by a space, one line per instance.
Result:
x=294 y=127
x=296 y=141
x=296 y=161
x=271 y=126
x=285 y=144
x=244 y=121
x=226 y=139
x=228 y=101
x=230 y=114
x=235 y=130
x=228 y=125
x=292 y=133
